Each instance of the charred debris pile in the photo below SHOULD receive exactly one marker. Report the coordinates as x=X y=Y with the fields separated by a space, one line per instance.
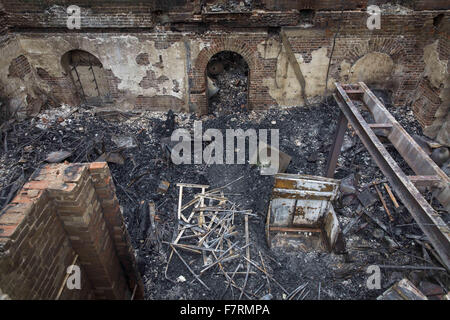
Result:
x=212 y=244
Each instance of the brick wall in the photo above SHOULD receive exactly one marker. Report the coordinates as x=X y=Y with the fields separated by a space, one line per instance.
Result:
x=95 y=14
x=431 y=5
x=179 y=23
x=67 y=214
x=3 y=25
x=62 y=88
x=431 y=103
x=245 y=45
x=314 y=4
x=18 y=85
x=19 y=67
x=402 y=38
x=426 y=104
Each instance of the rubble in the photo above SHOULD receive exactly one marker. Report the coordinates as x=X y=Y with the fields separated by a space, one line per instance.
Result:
x=210 y=232
x=262 y=156
x=163 y=186
x=227 y=85
x=403 y=290
x=123 y=141
x=440 y=155
x=48 y=117
x=348 y=185
x=308 y=229
x=57 y=156
x=229 y=6
x=147 y=164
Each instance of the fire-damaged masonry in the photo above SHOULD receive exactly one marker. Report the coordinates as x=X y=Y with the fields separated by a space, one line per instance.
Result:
x=362 y=122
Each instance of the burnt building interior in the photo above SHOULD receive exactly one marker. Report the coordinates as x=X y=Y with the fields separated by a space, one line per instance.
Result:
x=92 y=95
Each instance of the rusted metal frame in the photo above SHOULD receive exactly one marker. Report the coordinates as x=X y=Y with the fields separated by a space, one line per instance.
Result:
x=428 y=220
x=93 y=74
x=337 y=144
x=79 y=81
x=408 y=148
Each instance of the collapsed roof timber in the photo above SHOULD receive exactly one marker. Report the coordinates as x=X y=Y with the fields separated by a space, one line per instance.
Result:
x=356 y=207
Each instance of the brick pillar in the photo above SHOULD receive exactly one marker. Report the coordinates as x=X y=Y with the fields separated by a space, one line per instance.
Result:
x=80 y=212
x=63 y=212
x=106 y=193
x=35 y=249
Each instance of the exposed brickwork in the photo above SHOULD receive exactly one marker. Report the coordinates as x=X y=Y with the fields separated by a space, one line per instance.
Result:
x=106 y=193
x=244 y=45
x=402 y=38
x=185 y=25
x=66 y=211
x=431 y=101
x=4 y=35
x=426 y=104
x=150 y=81
x=142 y=59
x=35 y=250
x=62 y=88
x=113 y=84
x=19 y=67
x=95 y=14
x=431 y=5
x=314 y=4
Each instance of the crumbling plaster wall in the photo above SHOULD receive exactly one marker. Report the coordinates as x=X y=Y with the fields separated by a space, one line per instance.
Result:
x=142 y=67
x=165 y=68
x=19 y=86
x=362 y=58
x=437 y=73
x=284 y=86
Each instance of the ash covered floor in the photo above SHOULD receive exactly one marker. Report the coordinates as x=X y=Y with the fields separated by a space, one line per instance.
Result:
x=305 y=134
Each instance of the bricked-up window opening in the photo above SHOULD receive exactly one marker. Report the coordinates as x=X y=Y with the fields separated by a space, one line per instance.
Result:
x=227 y=80
x=88 y=76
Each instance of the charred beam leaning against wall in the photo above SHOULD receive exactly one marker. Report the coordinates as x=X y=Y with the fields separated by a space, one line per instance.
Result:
x=293 y=61
x=427 y=172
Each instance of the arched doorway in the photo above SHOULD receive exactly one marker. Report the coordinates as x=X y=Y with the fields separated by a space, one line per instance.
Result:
x=227 y=82
x=88 y=76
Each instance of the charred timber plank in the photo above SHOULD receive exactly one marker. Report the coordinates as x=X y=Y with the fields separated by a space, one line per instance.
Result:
x=380 y=125
x=295 y=229
x=192 y=185
x=354 y=91
x=427 y=218
x=294 y=63
x=337 y=145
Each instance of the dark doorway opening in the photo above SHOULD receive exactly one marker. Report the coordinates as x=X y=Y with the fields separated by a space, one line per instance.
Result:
x=227 y=79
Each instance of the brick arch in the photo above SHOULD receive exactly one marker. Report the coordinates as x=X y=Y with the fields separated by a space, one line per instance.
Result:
x=234 y=45
x=394 y=48
x=198 y=74
x=98 y=91
x=390 y=46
